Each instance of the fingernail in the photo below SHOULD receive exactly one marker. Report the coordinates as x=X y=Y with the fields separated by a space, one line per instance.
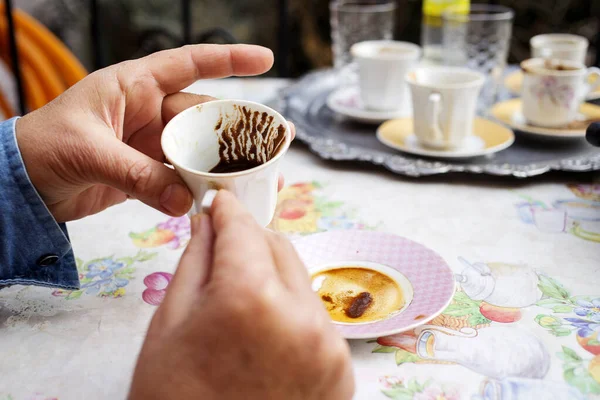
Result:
x=176 y=199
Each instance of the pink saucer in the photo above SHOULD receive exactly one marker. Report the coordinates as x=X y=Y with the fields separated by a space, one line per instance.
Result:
x=431 y=279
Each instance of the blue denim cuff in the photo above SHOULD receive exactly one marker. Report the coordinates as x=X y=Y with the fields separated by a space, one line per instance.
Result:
x=35 y=249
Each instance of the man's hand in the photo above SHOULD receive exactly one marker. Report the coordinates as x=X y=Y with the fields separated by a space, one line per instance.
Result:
x=240 y=321
x=99 y=142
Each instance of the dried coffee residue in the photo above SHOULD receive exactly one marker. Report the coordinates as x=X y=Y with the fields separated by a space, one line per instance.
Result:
x=358 y=305
x=248 y=138
x=552 y=65
x=327 y=298
x=225 y=167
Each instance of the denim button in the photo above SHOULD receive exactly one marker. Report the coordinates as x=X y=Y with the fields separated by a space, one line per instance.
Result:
x=47 y=260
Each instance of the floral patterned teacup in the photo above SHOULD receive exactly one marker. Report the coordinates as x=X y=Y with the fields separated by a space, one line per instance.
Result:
x=554 y=89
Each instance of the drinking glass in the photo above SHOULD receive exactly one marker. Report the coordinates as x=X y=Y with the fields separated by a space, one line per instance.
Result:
x=354 y=21
x=478 y=37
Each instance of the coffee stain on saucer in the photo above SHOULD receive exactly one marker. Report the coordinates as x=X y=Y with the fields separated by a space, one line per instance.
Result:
x=354 y=294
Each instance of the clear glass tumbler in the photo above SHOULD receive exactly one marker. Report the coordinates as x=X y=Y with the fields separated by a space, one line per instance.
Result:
x=354 y=21
x=478 y=37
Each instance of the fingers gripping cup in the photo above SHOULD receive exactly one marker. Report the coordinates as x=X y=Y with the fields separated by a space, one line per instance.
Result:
x=233 y=145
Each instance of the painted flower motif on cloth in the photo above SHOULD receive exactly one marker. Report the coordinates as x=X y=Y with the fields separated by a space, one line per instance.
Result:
x=587 y=308
x=580 y=372
x=303 y=208
x=550 y=89
x=586 y=327
x=397 y=388
x=579 y=217
x=583 y=315
x=435 y=393
x=341 y=222
x=174 y=233
x=388 y=382
x=105 y=277
x=104 y=268
x=156 y=284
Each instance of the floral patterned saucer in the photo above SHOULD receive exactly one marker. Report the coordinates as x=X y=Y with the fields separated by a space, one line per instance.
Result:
x=424 y=270
x=509 y=113
x=346 y=101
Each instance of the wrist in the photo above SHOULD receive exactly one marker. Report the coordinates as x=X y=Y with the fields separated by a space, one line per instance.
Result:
x=23 y=128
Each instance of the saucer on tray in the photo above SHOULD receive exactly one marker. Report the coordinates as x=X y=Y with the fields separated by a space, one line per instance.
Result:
x=488 y=138
x=346 y=101
x=509 y=113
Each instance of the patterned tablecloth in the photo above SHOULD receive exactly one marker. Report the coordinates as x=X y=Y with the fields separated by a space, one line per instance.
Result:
x=524 y=322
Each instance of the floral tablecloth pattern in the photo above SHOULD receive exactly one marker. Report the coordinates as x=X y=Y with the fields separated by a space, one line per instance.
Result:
x=524 y=321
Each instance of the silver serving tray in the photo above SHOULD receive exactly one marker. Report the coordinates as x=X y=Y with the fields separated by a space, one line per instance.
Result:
x=333 y=137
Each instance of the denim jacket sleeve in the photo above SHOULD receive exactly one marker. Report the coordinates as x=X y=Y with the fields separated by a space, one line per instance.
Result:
x=34 y=248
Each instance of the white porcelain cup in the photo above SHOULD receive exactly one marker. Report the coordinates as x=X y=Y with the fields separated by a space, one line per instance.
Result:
x=554 y=89
x=382 y=65
x=229 y=132
x=559 y=45
x=444 y=104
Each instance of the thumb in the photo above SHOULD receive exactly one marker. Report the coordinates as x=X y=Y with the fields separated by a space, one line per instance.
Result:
x=143 y=178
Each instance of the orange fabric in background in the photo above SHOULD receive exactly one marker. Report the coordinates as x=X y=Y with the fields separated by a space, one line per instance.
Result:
x=35 y=97
x=30 y=54
x=5 y=108
x=48 y=67
x=69 y=67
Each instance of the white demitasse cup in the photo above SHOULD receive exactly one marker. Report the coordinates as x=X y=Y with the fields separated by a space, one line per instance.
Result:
x=444 y=104
x=382 y=65
x=244 y=140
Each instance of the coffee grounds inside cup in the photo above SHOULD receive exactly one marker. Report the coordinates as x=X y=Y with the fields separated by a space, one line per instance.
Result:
x=247 y=139
x=549 y=65
x=225 y=167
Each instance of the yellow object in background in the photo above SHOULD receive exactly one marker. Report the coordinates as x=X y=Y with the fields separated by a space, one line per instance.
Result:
x=431 y=28
x=435 y=8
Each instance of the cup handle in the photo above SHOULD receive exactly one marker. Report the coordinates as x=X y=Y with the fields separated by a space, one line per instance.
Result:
x=592 y=72
x=435 y=108
x=205 y=204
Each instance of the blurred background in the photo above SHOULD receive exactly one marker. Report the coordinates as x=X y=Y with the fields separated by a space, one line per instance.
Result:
x=298 y=30
x=58 y=42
